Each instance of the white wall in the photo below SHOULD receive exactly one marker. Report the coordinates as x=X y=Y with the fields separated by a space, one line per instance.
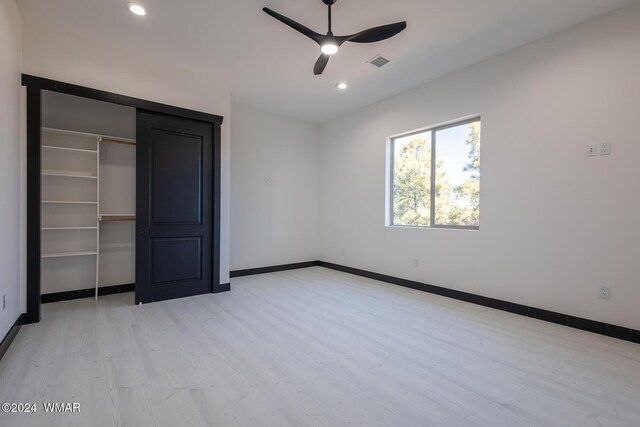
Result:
x=274 y=187
x=10 y=98
x=554 y=224
x=60 y=55
x=62 y=111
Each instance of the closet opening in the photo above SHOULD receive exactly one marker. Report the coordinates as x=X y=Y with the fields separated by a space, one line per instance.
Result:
x=88 y=197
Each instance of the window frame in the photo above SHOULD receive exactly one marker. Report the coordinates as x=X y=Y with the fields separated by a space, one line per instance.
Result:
x=432 y=208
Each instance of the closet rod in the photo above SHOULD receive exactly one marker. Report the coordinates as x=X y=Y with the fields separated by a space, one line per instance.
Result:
x=116 y=141
x=121 y=218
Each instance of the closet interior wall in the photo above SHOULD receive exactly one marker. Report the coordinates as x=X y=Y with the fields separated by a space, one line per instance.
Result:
x=88 y=193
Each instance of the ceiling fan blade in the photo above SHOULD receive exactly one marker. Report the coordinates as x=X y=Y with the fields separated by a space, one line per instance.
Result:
x=377 y=34
x=321 y=63
x=296 y=26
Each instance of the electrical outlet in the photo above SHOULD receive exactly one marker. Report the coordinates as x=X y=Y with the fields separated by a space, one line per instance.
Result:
x=416 y=262
x=592 y=150
x=605 y=149
x=605 y=292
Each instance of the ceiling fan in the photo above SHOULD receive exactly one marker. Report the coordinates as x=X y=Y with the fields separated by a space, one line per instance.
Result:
x=330 y=44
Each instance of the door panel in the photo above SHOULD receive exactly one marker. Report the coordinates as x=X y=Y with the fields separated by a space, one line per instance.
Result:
x=175 y=259
x=176 y=168
x=174 y=207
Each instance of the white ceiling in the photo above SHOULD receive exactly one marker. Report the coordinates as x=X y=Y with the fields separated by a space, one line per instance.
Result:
x=269 y=65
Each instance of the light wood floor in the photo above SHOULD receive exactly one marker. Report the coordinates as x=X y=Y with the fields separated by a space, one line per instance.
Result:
x=315 y=347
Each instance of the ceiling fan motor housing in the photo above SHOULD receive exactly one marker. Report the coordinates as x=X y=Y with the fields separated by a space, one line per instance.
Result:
x=329 y=44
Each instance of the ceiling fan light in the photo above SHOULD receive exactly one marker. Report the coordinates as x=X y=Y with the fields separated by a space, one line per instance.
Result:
x=136 y=9
x=329 y=48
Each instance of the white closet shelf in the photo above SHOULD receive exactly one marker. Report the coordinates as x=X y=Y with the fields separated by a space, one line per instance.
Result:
x=68 y=254
x=68 y=202
x=69 y=228
x=77 y=150
x=68 y=132
x=67 y=175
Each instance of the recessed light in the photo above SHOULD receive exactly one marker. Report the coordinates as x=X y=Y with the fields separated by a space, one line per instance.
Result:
x=342 y=85
x=135 y=8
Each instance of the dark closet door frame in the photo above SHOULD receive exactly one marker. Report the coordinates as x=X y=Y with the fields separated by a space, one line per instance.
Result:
x=35 y=86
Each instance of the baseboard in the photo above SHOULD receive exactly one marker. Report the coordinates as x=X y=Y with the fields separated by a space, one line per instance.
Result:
x=224 y=287
x=272 y=269
x=601 y=328
x=8 y=339
x=86 y=293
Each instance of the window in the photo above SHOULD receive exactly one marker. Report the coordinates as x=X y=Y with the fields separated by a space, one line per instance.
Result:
x=448 y=198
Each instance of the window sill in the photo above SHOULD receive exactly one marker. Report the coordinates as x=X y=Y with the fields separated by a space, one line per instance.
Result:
x=436 y=227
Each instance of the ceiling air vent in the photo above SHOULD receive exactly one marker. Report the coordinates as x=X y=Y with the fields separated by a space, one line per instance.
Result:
x=379 y=61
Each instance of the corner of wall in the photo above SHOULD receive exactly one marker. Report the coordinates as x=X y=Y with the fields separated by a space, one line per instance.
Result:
x=10 y=162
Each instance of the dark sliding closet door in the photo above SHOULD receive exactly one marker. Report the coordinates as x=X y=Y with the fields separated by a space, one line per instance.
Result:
x=174 y=207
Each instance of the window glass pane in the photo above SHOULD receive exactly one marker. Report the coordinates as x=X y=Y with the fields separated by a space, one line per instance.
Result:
x=458 y=175
x=412 y=180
